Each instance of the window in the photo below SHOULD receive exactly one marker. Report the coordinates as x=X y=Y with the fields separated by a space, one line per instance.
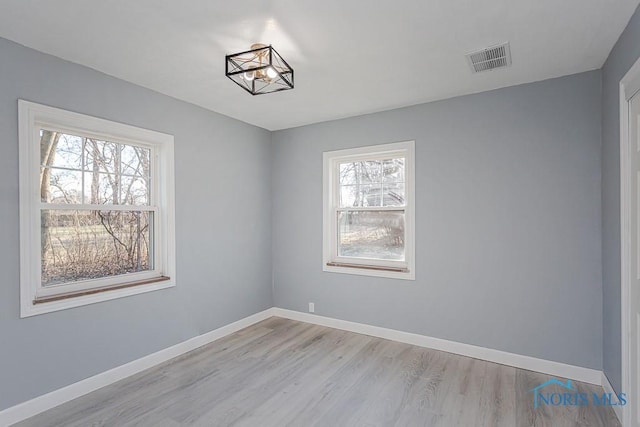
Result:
x=96 y=209
x=369 y=211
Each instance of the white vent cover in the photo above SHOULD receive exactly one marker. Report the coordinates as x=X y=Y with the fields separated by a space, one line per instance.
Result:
x=498 y=56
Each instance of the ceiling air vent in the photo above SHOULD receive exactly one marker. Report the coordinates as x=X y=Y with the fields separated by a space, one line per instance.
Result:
x=493 y=57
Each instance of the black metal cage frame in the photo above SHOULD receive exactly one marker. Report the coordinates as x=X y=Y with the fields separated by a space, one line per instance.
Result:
x=237 y=64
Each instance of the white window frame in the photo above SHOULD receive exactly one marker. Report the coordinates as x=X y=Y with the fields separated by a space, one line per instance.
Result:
x=32 y=118
x=368 y=267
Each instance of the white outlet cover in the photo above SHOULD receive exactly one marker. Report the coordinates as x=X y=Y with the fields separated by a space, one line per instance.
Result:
x=312 y=307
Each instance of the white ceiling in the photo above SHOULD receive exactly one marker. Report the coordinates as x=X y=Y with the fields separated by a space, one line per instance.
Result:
x=350 y=56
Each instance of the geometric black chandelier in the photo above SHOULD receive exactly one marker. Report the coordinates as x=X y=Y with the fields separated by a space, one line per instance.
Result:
x=259 y=70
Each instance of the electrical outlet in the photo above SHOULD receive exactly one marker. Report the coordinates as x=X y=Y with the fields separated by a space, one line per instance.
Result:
x=312 y=307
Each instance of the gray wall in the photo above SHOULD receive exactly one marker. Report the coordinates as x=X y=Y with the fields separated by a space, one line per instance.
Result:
x=508 y=221
x=622 y=57
x=222 y=226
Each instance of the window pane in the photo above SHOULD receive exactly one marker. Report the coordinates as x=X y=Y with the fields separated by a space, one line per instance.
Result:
x=60 y=150
x=372 y=183
x=134 y=191
x=135 y=160
x=347 y=173
x=365 y=172
x=370 y=171
x=101 y=188
x=393 y=194
x=60 y=186
x=360 y=195
x=348 y=195
x=102 y=156
x=113 y=173
x=80 y=245
x=371 y=234
x=393 y=170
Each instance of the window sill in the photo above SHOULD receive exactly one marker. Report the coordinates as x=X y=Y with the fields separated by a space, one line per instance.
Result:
x=32 y=307
x=369 y=270
x=63 y=296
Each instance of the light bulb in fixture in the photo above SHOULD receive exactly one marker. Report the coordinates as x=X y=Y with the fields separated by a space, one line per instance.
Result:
x=271 y=73
x=249 y=75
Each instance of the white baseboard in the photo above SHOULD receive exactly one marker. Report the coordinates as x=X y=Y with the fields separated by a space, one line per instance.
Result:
x=606 y=385
x=50 y=400
x=591 y=376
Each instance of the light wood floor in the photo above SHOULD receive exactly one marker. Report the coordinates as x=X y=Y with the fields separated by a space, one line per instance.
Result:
x=286 y=373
